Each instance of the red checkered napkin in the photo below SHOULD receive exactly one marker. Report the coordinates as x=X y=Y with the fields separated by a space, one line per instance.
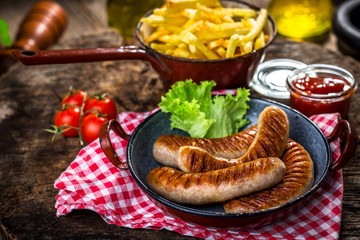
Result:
x=92 y=182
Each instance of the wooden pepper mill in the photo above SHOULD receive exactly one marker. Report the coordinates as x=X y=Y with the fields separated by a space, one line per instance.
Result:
x=41 y=27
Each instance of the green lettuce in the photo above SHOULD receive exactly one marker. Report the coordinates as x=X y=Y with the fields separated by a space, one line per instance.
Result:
x=194 y=110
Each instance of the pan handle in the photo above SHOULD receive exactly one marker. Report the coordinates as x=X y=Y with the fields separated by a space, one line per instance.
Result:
x=344 y=129
x=106 y=145
x=63 y=56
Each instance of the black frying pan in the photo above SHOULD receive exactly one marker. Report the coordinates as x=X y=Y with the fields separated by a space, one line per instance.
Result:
x=140 y=161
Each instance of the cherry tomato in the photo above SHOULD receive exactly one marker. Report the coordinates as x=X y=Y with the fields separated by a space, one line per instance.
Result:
x=104 y=104
x=90 y=127
x=69 y=116
x=74 y=97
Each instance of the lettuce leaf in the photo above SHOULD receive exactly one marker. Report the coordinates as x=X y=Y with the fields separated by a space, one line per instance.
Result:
x=194 y=109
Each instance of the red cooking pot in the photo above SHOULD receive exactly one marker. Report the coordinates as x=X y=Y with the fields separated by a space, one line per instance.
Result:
x=140 y=162
x=227 y=73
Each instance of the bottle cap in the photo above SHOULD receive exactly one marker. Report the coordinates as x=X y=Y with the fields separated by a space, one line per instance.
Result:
x=270 y=77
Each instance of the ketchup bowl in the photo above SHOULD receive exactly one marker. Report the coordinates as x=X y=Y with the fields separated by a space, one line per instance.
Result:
x=321 y=88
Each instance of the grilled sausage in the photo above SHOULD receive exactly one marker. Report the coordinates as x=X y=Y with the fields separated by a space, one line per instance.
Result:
x=270 y=141
x=218 y=185
x=165 y=148
x=299 y=177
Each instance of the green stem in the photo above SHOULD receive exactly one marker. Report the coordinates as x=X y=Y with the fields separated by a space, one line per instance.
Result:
x=97 y=112
x=81 y=118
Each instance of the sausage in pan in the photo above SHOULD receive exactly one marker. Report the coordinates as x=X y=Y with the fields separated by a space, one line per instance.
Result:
x=165 y=148
x=218 y=185
x=270 y=140
x=299 y=177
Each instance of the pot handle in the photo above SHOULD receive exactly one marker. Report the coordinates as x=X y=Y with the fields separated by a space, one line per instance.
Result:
x=63 y=56
x=106 y=144
x=344 y=129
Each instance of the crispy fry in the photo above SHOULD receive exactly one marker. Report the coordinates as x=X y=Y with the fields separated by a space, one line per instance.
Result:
x=223 y=26
x=247 y=47
x=216 y=43
x=226 y=43
x=227 y=19
x=199 y=45
x=233 y=43
x=193 y=28
x=172 y=39
x=208 y=13
x=169 y=52
x=260 y=22
x=260 y=41
x=154 y=36
x=209 y=36
x=189 y=13
x=183 y=46
x=171 y=28
x=195 y=53
x=193 y=49
x=183 y=53
x=221 y=51
x=162 y=47
x=248 y=23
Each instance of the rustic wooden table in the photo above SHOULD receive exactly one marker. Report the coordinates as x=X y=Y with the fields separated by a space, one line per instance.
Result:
x=29 y=96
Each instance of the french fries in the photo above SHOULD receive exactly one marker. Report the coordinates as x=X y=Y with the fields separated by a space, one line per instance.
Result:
x=203 y=29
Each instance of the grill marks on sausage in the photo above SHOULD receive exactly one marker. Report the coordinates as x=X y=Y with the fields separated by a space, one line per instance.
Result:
x=195 y=159
x=273 y=132
x=299 y=177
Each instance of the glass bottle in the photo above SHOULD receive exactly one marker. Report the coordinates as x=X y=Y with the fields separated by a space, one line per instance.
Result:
x=301 y=19
x=125 y=14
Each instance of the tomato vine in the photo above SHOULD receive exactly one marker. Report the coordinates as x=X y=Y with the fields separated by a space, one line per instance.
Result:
x=82 y=118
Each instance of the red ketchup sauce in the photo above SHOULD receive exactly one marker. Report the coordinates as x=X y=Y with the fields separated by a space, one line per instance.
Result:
x=324 y=93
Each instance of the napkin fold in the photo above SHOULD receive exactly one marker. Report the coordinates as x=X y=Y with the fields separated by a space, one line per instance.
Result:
x=92 y=182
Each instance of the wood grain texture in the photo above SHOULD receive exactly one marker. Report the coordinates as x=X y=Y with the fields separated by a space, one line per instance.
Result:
x=30 y=95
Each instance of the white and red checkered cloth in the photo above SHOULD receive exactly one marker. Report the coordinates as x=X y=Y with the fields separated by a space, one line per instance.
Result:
x=92 y=182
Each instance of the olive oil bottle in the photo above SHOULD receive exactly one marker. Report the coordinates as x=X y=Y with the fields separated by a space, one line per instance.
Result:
x=125 y=14
x=301 y=19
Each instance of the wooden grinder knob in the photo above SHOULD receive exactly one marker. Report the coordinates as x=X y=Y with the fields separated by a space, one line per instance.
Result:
x=41 y=27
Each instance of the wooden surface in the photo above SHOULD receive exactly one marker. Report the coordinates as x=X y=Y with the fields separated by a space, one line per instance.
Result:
x=29 y=97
